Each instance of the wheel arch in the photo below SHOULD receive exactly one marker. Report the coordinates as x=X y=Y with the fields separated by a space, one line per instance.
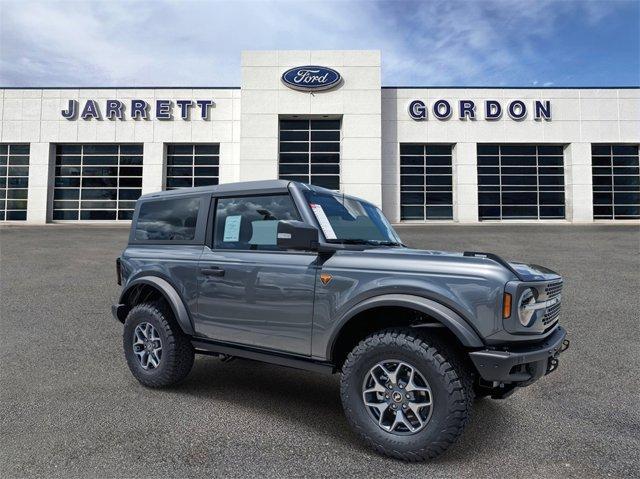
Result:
x=150 y=286
x=409 y=310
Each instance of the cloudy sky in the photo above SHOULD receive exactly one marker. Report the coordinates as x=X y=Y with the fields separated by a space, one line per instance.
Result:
x=198 y=43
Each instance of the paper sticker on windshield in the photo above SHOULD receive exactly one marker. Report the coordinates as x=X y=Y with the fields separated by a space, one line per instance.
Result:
x=323 y=221
x=232 y=228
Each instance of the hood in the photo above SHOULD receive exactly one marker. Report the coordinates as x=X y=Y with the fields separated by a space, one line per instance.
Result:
x=526 y=272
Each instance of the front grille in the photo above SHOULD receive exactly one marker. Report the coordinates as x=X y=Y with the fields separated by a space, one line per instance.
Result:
x=552 y=313
x=553 y=289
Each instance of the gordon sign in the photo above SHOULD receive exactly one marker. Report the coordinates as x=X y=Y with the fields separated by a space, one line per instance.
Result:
x=137 y=109
x=311 y=78
x=491 y=109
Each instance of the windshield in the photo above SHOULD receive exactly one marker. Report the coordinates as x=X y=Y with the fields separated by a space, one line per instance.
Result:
x=346 y=220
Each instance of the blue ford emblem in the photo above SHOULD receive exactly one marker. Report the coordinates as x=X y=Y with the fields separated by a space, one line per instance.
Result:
x=311 y=78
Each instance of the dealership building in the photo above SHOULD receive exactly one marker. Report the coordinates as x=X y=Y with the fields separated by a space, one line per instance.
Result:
x=424 y=154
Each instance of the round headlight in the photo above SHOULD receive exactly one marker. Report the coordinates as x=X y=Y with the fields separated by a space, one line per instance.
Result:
x=525 y=313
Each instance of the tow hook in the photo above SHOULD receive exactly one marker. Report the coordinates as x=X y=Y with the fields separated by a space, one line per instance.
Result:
x=565 y=346
x=553 y=365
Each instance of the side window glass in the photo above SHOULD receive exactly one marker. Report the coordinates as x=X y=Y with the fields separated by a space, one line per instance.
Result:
x=250 y=222
x=168 y=220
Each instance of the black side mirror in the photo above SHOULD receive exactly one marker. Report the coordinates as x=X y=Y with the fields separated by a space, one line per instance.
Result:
x=297 y=235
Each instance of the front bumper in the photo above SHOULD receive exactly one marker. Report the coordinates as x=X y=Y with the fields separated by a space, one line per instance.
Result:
x=522 y=364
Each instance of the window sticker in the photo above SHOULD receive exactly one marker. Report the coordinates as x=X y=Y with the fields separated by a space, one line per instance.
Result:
x=232 y=228
x=327 y=229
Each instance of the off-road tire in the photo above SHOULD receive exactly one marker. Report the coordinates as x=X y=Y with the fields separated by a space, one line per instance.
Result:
x=177 y=352
x=448 y=376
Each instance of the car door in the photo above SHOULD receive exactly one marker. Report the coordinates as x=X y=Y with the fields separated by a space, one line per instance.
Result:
x=249 y=291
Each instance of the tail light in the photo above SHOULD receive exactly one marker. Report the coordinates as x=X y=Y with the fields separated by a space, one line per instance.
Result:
x=119 y=272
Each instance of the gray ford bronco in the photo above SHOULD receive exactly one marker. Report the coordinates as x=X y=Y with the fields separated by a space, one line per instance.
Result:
x=301 y=276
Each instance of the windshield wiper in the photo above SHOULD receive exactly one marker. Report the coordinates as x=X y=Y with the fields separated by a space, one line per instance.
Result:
x=365 y=241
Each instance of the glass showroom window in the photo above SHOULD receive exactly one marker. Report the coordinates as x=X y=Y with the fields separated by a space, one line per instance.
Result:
x=521 y=182
x=310 y=152
x=14 y=182
x=97 y=182
x=616 y=182
x=426 y=191
x=192 y=165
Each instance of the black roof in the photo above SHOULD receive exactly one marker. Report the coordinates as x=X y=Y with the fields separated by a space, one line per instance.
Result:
x=242 y=187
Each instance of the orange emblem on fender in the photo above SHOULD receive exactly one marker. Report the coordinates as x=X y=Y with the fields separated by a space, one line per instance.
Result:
x=325 y=278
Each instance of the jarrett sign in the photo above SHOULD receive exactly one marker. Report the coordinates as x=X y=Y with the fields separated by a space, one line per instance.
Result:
x=137 y=109
x=488 y=109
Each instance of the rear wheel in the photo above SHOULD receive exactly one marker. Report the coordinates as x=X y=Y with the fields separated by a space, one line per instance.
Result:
x=158 y=353
x=406 y=395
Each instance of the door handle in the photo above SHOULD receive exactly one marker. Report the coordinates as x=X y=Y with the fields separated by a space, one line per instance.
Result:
x=212 y=271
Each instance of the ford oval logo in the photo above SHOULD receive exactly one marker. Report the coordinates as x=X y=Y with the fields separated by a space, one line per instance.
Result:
x=311 y=78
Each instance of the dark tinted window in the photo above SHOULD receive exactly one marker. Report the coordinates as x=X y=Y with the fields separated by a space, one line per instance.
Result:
x=520 y=182
x=616 y=181
x=250 y=222
x=95 y=173
x=168 y=220
x=192 y=165
x=426 y=186
x=14 y=181
x=309 y=151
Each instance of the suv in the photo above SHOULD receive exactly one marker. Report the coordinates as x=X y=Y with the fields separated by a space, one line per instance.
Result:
x=301 y=276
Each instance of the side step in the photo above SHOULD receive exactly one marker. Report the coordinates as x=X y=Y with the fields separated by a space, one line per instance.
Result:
x=291 y=361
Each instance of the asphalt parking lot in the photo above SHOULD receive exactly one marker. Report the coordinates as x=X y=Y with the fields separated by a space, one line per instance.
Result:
x=70 y=407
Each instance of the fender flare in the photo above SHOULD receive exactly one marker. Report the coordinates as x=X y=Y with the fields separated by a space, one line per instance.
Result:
x=449 y=318
x=170 y=294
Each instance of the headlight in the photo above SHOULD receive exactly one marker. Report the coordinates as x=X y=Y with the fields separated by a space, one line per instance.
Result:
x=525 y=311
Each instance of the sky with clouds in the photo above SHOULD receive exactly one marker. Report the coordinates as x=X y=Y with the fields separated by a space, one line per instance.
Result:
x=198 y=43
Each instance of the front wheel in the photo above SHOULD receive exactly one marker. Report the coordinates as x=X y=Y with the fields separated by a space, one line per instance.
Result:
x=405 y=395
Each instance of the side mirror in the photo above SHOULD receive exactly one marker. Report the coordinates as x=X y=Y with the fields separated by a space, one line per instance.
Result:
x=297 y=235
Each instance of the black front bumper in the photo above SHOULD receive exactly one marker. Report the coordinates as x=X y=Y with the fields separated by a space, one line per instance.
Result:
x=521 y=365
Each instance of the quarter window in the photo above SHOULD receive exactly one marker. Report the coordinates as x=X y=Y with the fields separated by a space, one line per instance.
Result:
x=250 y=222
x=616 y=182
x=426 y=188
x=14 y=182
x=520 y=182
x=168 y=220
x=97 y=181
x=192 y=165
x=310 y=152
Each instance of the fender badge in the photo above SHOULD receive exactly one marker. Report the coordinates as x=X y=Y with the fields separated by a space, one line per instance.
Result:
x=325 y=278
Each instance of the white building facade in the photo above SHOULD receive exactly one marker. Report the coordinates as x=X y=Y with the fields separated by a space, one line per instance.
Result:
x=423 y=154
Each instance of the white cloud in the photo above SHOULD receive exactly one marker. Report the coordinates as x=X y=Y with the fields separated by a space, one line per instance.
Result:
x=199 y=43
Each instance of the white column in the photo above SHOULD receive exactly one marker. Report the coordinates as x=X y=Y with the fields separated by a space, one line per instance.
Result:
x=41 y=171
x=578 y=183
x=465 y=183
x=153 y=167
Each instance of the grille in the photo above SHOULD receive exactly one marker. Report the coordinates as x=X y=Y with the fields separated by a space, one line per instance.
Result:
x=552 y=313
x=553 y=289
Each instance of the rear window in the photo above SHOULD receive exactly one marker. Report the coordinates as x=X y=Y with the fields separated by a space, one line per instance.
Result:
x=168 y=220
